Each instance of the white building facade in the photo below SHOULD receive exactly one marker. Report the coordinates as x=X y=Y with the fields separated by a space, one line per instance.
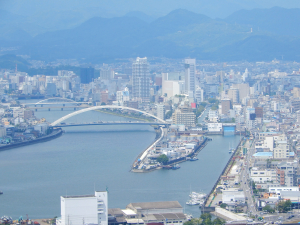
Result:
x=86 y=209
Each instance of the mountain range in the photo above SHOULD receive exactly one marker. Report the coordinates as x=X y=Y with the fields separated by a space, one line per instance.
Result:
x=253 y=35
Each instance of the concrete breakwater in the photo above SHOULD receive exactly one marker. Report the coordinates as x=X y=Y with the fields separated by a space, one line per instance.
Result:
x=206 y=207
x=54 y=134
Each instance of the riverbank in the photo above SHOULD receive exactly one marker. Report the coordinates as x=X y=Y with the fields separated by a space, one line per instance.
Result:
x=207 y=206
x=141 y=157
x=54 y=134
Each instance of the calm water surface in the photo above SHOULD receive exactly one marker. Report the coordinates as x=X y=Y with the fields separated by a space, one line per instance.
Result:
x=91 y=158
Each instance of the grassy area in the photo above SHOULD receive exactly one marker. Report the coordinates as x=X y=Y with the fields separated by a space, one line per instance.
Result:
x=124 y=115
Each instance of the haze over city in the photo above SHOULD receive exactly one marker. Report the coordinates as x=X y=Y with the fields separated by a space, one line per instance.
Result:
x=149 y=112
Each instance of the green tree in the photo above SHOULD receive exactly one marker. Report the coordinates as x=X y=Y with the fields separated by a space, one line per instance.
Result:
x=218 y=221
x=284 y=206
x=194 y=221
x=163 y=159
x=223 y=205
x=205 y=216
x=212 y=100
x=169 y=114
x=269 y=209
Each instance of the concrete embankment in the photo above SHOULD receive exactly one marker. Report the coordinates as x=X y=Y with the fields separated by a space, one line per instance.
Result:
x=141 y=157
x=207 y=204
x=54 y=134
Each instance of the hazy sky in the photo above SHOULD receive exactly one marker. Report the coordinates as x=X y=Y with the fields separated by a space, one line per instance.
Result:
x=111 y=8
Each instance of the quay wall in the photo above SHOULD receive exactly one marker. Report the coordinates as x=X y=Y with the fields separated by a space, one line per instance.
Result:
x=207 y=208
x=157 y=137
x=54 y=134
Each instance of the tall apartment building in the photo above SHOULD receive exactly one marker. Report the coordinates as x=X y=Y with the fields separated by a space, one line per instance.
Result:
x=190 y=76
x=141 y=80
x=86 y=75
x=107 y=74
x=259 y=111
x=186 y=118
x=226 y=106
x=160 y=111
x=233 y=95
x=287 y=173
x=199 y=95
x=84 y=209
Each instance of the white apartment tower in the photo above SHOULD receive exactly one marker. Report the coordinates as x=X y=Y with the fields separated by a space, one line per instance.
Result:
x=141 y=79
x=160 y=111
x=190 y=76
x=85 y=209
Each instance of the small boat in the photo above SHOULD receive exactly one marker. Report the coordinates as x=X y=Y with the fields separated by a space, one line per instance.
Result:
x=191 y=202
x=175 y=167
x=1 y=192
x=194 y=159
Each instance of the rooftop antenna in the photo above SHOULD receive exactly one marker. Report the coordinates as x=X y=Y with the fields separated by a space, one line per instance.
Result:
x=16 y=70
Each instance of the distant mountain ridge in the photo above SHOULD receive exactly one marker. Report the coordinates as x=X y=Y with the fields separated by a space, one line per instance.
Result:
x=179 y=34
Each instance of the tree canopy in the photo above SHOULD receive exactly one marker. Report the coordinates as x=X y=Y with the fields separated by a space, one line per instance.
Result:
x=163 y=159
x=284 y=206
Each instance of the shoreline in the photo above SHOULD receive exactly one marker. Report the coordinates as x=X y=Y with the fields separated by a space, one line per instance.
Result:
x=207 y=208
x=54 y=134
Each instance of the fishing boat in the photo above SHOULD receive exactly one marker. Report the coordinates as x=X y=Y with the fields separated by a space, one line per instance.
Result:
x=194 y=159
x=175 y=167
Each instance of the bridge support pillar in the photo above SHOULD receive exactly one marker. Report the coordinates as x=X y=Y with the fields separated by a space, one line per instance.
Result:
x=62 y=109
x=64 y=105
x=49 y=109
x=41 y=105
x=74 y=109
x=36 y=110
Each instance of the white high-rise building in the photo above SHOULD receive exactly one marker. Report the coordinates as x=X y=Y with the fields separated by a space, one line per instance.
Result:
x=141 y=79
x=199 y=95
x=85 y=209
x=160 y=111
x=190 y=76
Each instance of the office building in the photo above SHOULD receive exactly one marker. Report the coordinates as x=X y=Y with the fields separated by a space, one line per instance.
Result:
x=51 y=89
x=259 y=111
x=86 y=75
x=141 y=80
x=188 y=118
x=190 y=76
x=226 y=106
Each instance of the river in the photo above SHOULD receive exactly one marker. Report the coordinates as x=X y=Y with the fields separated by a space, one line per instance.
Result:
x=91 y=158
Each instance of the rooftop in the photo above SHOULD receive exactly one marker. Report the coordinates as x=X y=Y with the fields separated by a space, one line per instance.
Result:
x=266 y=154
x=156 y=205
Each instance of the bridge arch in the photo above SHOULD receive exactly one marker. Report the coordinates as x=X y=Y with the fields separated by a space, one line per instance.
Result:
x=57 y=98
x=102 y=107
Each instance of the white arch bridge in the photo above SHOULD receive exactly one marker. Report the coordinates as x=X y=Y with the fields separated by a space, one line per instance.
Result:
x=58 y=122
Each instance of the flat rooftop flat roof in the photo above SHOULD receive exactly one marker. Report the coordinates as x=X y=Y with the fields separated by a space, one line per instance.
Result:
x=258 y=154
